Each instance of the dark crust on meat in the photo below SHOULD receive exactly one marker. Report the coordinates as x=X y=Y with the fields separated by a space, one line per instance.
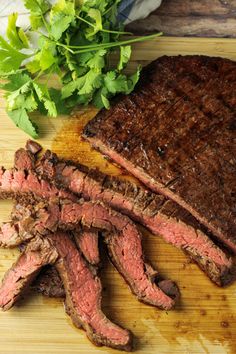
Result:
x=33 y=147
x=189 y=154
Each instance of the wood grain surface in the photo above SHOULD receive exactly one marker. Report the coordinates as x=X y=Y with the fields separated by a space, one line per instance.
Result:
x=204 y=320
x=214 y=18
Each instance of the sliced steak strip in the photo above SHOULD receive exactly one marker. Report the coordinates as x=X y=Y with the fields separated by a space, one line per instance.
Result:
x=13 y=182
x=87 y=241
x=185 y=150
x=17 y=280
x=160 y=215
x=83 y=297
x=67 y=215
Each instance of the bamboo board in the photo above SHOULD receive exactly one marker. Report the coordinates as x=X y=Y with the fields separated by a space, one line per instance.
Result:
x=204 y=320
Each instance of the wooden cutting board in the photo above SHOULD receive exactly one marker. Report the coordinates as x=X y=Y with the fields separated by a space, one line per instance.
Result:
x=204 y=321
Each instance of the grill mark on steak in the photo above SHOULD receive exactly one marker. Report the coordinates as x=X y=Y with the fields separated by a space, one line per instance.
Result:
x=67 y=215
x=174 y=83
x=181 y=162
x=83 y=297
x=17 y=279
x=133 y=201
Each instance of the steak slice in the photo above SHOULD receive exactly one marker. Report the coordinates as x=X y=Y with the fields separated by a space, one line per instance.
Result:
x=13 y=182
x=83 y=297
x=48 y=217
x=18 y=279
x=159 y=214
x=176 y=134
x=87 y=241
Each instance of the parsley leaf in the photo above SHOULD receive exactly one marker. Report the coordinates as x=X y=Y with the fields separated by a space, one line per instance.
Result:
x=61 y=15
x=125 y=53
x=16 y=35
x=37 y=10
x=22 y=120
x=115 y=83
x=10 y=58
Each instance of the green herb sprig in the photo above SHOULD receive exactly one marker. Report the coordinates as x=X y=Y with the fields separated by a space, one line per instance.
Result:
x=74 y=41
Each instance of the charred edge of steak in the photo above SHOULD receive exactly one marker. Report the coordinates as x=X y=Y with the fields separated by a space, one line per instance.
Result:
x=33 y=147
x=24 y=160
x=17 y=280
x=48 y=281
x=83 y=297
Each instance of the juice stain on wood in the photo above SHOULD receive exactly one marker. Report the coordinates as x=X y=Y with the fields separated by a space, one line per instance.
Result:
x=68 y=143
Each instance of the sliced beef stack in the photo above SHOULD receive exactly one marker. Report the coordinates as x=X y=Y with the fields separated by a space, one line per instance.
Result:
x=159 y=214
x=177 y=134
x=40 y=212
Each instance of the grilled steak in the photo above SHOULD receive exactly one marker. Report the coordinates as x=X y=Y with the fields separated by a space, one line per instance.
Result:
x=160 y=215
x=83 y=297
x=176 y=133
x=17 y=280
x=48 y=217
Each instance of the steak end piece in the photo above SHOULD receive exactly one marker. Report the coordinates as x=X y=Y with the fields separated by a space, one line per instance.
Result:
x=176 y=134
x=33 y=147
x=18 y=279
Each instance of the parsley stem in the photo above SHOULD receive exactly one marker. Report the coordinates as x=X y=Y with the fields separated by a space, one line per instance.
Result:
x=65 y=46
x=84 y=49
x=102 y=29
x=116 y=32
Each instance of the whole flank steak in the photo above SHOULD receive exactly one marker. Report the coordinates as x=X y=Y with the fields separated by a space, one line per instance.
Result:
x=177 y=134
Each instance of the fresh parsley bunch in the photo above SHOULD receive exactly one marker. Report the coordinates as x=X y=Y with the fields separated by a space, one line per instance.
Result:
x=74 y=41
